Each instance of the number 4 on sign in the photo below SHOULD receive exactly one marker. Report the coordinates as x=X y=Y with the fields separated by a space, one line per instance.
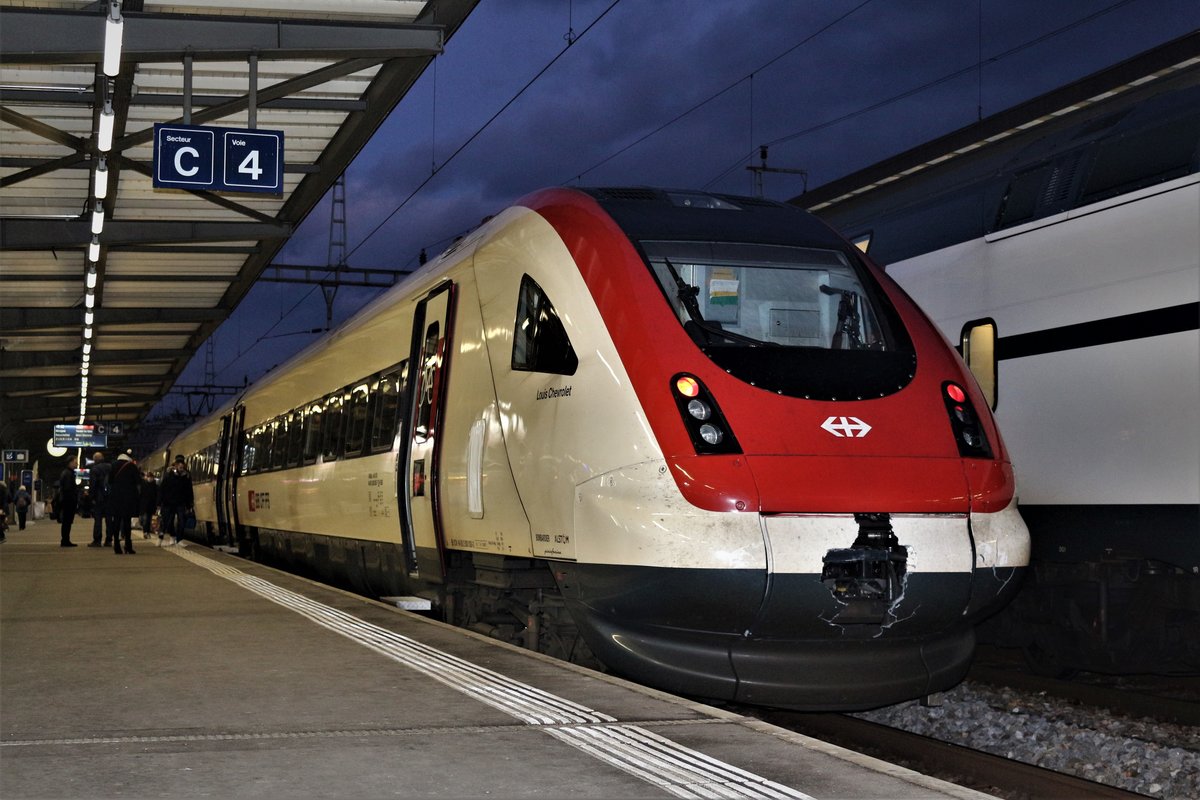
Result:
x=249 y=166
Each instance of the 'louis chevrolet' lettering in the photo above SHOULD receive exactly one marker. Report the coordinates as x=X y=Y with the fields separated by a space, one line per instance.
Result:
x=553 y=394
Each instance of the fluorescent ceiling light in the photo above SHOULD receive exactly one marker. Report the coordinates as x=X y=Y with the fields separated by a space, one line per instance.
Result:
x=94 y=250
x=114 y=27
x=102 y=179
x=98 y=219
x=107 y=121
x=89 y=317
x=91 y=279
x=89 y=300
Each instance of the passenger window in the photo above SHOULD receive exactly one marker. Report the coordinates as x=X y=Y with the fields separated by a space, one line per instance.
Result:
x=430 y=370
x=247 y=452
x=540 y=342
x=387 y=410
x=1141 y=159
x=295 y=437
x=979 y=353
x=279 y=443
x=333 y=426
x=262 y=446
x=250 y=452
x=356 y=419
x=312 y=433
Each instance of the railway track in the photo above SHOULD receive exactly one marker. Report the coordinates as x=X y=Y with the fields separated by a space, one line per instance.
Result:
x=1118 y=700
x=972 y=768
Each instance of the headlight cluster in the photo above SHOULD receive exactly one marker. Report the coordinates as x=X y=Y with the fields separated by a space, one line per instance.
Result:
x=704 y=421
x=968 y=431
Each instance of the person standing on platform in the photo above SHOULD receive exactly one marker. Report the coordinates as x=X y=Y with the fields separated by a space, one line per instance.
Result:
x=149 y=502
x=176 y=498
x=98 y=478
x=22 y=501
x=124 y=482
x=68 y=498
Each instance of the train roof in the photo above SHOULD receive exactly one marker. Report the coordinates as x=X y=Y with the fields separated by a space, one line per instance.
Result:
x=1127 y=127
x=688 y=215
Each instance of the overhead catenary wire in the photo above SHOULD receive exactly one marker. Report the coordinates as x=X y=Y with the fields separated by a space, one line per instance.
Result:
x=977 y=67
x=436 y=169
x=749 y=77
x=486 y=125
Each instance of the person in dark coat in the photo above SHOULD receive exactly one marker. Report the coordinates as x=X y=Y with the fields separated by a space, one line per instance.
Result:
x=22 y=501
x=175 y=498
x=124 y=484
x=149 y=502
x=98 y=479
x=68 y=498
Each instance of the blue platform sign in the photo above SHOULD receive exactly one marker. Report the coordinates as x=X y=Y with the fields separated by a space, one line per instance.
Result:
x=218 y=159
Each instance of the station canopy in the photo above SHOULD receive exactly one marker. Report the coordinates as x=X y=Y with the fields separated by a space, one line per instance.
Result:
x=100 y=325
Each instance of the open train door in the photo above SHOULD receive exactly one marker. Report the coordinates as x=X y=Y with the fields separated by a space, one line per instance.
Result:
x=429 y=362
x=227 y=474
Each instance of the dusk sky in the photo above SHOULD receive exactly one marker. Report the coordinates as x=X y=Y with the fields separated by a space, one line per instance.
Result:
x=674 y=93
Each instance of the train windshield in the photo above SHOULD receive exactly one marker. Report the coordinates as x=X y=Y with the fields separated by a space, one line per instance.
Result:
x=775 y=315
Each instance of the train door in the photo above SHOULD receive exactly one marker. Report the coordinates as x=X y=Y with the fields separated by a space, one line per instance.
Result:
x=429 y=364
x=227 y=474
x=224 y=475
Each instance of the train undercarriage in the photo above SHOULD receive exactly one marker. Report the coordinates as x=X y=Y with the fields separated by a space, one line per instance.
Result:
x=1118 y=616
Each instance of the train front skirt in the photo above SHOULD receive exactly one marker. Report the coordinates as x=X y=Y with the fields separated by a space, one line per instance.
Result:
x=867 y=626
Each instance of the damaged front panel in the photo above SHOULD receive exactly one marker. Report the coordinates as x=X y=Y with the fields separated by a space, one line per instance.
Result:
x=865 y=575
x=868 y=578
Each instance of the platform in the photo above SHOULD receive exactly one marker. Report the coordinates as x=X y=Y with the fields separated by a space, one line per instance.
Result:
x=183 y=672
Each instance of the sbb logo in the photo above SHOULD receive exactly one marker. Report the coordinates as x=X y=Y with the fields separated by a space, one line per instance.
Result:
x=846 y=427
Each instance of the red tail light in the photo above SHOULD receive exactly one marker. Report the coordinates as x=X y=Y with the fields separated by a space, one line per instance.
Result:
x=964 y=422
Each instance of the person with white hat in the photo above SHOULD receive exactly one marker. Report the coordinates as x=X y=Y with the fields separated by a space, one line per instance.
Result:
x=124 y=485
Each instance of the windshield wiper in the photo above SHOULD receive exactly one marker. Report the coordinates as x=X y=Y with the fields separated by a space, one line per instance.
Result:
x=687 y=295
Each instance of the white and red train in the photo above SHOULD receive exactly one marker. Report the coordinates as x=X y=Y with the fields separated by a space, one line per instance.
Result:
x=702 y=434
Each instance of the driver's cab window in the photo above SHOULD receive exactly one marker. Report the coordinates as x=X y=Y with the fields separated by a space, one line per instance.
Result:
x=748 y=295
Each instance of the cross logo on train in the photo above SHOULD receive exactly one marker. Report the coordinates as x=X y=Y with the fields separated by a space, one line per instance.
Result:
x=843 y=427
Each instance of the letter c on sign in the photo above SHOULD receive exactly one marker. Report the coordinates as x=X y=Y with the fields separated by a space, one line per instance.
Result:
x=187 y=173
